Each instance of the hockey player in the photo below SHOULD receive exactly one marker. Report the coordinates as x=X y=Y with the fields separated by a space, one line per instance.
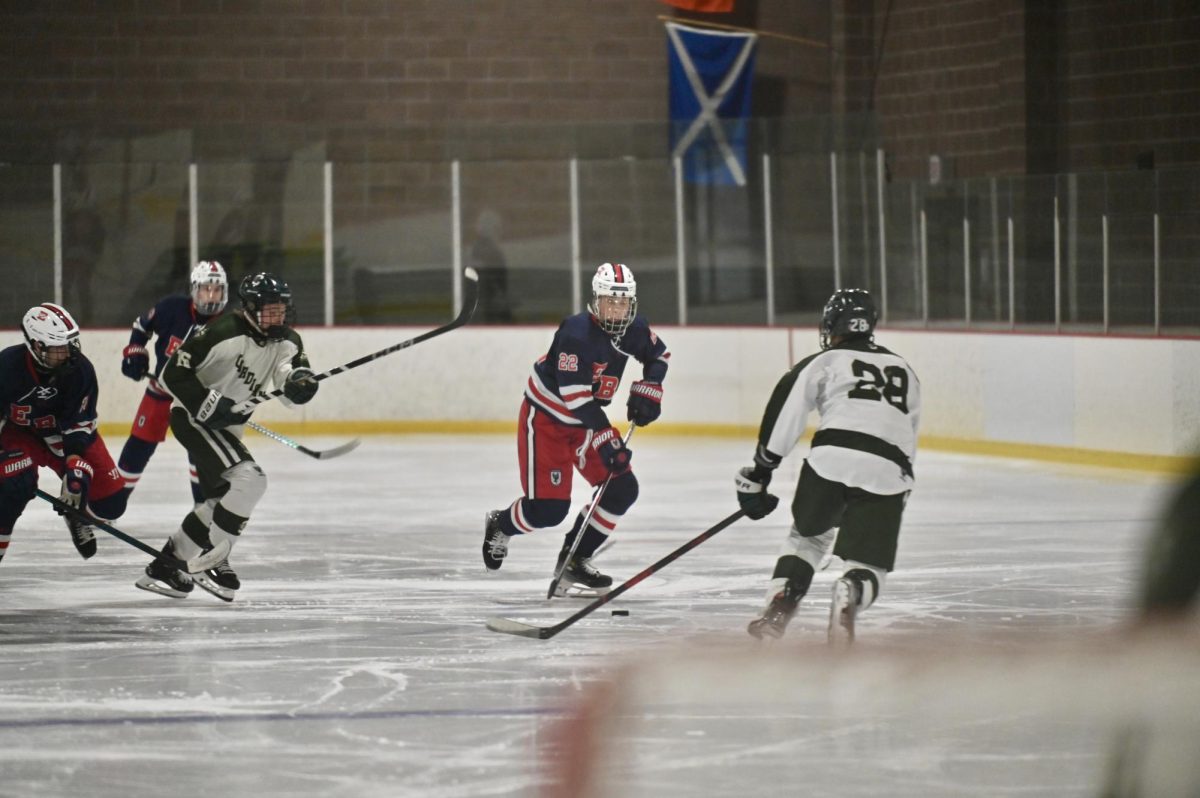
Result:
x=48 y=418
x=237 y=356
x=172 y=319
x=562 y=426
x=857 y=475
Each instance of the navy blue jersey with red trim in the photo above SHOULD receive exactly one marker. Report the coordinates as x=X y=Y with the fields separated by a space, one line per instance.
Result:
x=172 y=320
x=61 y=410
x=580 y=374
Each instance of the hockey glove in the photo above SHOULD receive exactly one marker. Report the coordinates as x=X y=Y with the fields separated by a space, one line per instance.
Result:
x=612 y=452
x=752 y=492
x=135 y=362
x=76 y=481
x=18 y=479
x=300 y=387
x=645 y=402
x=217 y=412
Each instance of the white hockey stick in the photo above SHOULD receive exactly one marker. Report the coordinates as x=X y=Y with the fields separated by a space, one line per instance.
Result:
x=319 y=454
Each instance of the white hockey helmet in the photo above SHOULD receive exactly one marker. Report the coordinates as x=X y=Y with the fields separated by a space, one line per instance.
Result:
x=47 y=328
x=209 y=272
x=614 y=280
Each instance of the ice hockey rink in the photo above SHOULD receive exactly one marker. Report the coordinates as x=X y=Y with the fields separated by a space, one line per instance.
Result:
x=355 y=660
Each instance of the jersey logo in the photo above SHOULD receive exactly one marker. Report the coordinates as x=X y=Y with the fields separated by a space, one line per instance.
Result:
x=246 y=375
x=173 y=344
x=45 y=393
x=556 y=477
x=183 y=359
x=19 y=414
x=568 y=362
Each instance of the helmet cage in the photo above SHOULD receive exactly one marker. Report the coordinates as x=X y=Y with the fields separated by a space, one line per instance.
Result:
x=259 y=290
x=46 y=326
x=209 y=272
x=614 y=280
x=849 y=313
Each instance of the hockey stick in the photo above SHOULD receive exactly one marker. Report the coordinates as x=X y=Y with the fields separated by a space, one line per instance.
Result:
x=470 y=298
x=320 y=454
x=562 y=567
x=200 y=562
x=512 y=627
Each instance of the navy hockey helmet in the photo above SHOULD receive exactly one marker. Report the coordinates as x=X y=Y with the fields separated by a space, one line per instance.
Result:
x=849 y=313
x=259 y=290
x=48 y=328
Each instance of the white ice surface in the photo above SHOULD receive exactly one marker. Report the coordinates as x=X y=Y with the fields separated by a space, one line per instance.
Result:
x=355 y=661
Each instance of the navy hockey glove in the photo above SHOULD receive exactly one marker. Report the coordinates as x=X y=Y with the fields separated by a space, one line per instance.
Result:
x=752 y=492
x=300 y=387
x=76 y=480
x=18 y=480
x=135 y=362
x=217 y=412
x=645 y=402
x=607 y=444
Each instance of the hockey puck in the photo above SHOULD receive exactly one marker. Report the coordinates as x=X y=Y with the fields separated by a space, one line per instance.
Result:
x=620 y=612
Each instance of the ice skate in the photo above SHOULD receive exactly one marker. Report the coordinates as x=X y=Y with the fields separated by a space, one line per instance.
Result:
x=220 y=580
x=775 y=617
x=83 y=535
x=580 y=578
x=163 y=578
x=495 y=542
x=843 y=610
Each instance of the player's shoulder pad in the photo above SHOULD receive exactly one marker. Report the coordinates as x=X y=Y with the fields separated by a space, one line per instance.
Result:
x=294 y=337
x=578 y=327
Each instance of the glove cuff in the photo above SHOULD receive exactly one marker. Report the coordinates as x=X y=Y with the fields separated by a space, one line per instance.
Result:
x=209 y=405
x=75 y=462
x=649 y=390
x=134 y=349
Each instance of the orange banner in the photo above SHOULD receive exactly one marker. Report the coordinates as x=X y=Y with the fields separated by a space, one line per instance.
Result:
x=703 y=6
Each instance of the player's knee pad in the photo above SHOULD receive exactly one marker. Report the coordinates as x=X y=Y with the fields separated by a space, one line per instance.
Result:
x=810 y=549
x=247 y=484
x=136 y=454
x=541 y=513
x=110 y=508
x=620 y=494
x=870 y=581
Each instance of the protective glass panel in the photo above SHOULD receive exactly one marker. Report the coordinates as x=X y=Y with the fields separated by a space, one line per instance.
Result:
x=393 y=241
x=26 y=239
x=802 y=237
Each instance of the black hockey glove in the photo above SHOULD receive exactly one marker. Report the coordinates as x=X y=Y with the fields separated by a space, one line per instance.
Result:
x=76 y=480
x=135 y=362
x=217 y=412
x=608 y=445
x=300 y=387
x=752 y=492
x=645 y=402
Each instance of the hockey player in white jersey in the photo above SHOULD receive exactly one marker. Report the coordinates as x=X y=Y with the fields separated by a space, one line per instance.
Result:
x=235 y=357
x=857 y=476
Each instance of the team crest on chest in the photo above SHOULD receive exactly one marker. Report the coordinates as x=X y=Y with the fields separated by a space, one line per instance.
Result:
x=556 y=477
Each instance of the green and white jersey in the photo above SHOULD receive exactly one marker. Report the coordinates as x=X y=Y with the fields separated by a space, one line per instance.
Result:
x=869 y=401
x=228 y=356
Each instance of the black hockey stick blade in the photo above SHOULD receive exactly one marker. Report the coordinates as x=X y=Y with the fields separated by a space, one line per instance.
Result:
x=201 y=562
x=319 y=454
x=470 y=300
x=511 y=627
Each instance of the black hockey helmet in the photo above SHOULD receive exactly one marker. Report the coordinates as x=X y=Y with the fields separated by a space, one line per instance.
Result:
x=259 y=290
x=849 y=313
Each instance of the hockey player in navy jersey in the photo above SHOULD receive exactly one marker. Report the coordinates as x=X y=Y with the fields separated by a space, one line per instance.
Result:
x=858 y=472
x=48 y=419
x=221 y=365
x=172 y=320
x=562 y=427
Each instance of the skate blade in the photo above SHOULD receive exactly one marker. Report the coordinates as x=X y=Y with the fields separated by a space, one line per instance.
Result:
x=154 y=586
x=223 y=593
x=579 y=591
